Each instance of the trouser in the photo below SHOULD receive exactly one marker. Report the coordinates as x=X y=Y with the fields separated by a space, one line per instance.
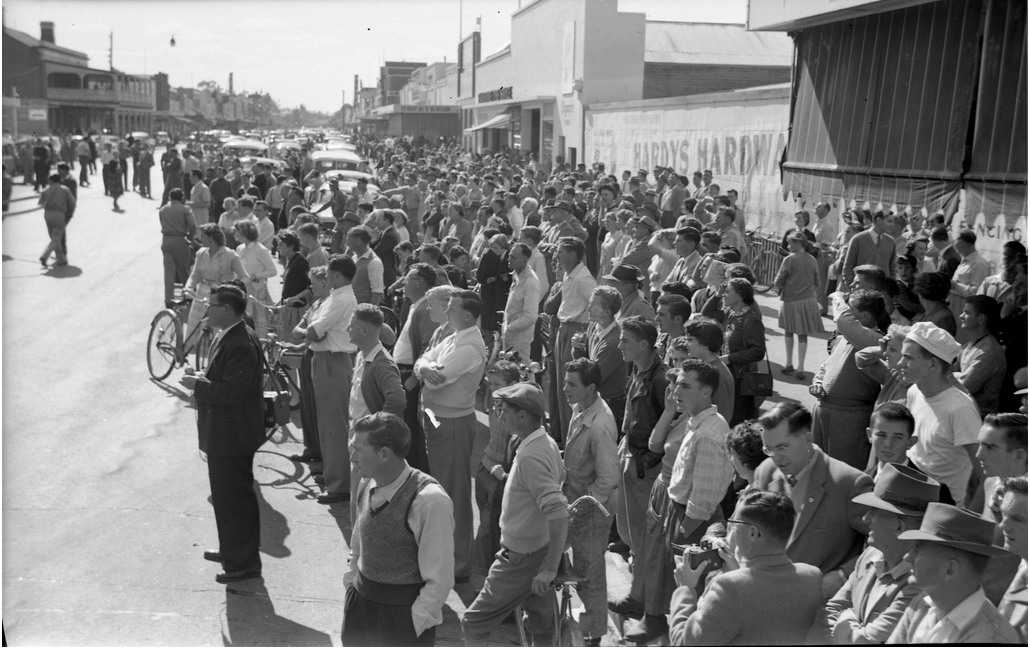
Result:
x=124 y=163
x=521 y=345
x=563 y=354
x=631 y=512
x=449 y=450
x=176 y=253
x=144 y=181
x=416 y=457
x=237 y=515
x=508 y=584
x=331 y=374
x=83 y=170
x=841 y=432
x=55 y=226
x=384 y=622
x=308 y=414
x=489 y=492
x=588 y=537
x=42 y=173
x=135 y=172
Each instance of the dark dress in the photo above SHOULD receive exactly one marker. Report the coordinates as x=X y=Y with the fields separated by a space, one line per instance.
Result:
x=494 y=281
x=745 y=344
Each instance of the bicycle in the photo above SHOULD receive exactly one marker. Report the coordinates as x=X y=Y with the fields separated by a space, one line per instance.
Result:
x=766 y=256
x=567 y=632
x=166 y=346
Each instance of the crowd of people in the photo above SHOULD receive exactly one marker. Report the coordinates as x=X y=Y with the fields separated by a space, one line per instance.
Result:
x=608 y=330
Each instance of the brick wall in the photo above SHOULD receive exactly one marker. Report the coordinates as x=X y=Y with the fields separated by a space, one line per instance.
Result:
x=672 y=80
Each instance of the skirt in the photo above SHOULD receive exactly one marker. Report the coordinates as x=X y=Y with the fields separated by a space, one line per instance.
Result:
x=801 y=316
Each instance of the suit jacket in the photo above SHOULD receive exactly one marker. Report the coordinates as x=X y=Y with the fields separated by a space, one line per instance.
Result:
x=872 y=601
x=230 y=405
x=381 y=385
x=605 y=352
x=828 y=532
x=384 y=250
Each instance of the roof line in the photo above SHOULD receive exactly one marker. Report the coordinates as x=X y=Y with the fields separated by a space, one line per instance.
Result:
x=682 y=22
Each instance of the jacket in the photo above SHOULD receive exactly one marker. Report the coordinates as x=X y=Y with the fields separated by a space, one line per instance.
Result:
x=381 y=385
x=828 y=531
x=230 y=404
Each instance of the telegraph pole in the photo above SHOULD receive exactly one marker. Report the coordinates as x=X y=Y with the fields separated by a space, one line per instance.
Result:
x=110 y=50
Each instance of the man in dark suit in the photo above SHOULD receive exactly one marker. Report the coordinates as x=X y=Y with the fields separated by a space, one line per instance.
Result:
x=231 y=427
x=829 y=531
x=388 y=239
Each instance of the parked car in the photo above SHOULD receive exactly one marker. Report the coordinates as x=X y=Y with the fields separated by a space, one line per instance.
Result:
x=244 y=147
x=326 y=160
x=162 y=138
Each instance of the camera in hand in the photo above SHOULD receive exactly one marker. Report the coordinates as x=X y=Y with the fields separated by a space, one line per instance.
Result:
x=698 y=553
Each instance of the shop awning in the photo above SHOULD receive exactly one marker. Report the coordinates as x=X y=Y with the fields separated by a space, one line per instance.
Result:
x=882 y=106
x=496 y=122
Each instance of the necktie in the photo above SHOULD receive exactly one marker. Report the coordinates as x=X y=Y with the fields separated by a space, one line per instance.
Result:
x=792 y=480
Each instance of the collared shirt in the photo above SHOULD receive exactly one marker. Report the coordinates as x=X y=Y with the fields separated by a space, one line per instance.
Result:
x=177 y=220
x=402 y=353
x=200 y=201
x=937 y=629
x=703 y=469
x=522 y=308
x=358 y=409
x=331 y=320
x=431 y=520
x=533 y=494
x=539 y=265
x=591 y=454
x=684 y=268
x=461 y=357
x=970 y=273
x=610 y=249
x=374 y=269
x=575 y=295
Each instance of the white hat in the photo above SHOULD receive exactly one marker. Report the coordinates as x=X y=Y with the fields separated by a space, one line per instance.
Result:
x=935 y=340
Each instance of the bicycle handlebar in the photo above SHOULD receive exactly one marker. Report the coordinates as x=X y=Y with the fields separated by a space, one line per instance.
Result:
x=588 y=499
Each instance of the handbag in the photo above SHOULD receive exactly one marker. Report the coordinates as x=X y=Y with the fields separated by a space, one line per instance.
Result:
x=754 y=383
x=276 y=397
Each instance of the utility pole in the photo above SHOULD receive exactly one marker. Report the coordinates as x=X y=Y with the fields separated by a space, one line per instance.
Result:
x=110 y=50
x=343 y=112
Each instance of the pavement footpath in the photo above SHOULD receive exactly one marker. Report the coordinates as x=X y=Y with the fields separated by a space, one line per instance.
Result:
x=106 y=507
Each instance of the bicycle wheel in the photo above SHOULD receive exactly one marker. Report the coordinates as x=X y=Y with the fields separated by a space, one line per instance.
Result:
x=161 y=345
x=203 y=350
x=569 y=633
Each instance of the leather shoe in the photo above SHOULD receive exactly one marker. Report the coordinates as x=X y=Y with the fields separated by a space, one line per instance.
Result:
x=629 y=608
x=330 y=497
x=648 y=629
x=236 y=576
x=214 y=555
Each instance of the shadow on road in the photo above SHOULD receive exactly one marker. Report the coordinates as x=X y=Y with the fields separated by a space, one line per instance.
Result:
x=274 y=529
x=250 y=620
x=174 y=391
x=64 y=271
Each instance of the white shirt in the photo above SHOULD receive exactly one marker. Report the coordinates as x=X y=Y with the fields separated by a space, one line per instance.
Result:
x=935 y=629
x=945 y=423
x=331 y=319
x=522 y=307
x=575 y=294
x=402 y=354
x=539 y=265
x=431 y=521
x=516 y=220
x=358 y=409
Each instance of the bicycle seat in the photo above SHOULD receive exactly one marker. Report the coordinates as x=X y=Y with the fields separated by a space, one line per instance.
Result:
x=566 y=574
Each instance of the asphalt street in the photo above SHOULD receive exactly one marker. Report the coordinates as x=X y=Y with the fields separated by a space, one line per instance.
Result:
x=106 y=508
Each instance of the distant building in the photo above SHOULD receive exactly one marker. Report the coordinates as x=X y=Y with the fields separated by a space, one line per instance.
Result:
x=393 y=76
x=60 y=93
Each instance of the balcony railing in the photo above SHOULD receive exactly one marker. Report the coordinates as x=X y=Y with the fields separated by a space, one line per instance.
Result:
x=92 y=96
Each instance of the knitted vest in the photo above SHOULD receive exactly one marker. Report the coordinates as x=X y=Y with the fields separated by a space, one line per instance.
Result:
x=361 y=284
x=389 y=554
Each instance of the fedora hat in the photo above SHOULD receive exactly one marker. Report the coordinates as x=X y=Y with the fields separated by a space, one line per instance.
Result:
x=901 y=490
x=958 y=528
x=626 y=273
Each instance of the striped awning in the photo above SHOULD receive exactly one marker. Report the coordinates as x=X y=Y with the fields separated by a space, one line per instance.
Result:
x=882 y=106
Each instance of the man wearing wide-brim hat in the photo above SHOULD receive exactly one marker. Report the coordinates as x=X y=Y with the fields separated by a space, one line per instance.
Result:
x=627 y=279
x=876 y=594
x=639 y=229
x=952 y=549
x=947 y=420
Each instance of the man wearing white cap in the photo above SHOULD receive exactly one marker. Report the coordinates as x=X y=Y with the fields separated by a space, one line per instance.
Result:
x=947 y=420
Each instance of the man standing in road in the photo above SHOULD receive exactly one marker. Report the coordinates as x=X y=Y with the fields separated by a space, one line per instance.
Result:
x=64 y=170
x=231 y=428
x=534 y=525
x=200 y=197
x=331 y=371
x=411 y=342
x=450 y=373
x=58 y=206
x=220 y=189
x=177 y=230
x=573 y=312
x=520 y=313
x=401 y=566
x=82 y=153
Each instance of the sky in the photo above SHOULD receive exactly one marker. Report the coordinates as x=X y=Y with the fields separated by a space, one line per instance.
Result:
x=301 y=52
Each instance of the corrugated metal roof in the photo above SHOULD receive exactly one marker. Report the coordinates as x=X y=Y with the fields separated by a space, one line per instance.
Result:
x=715 y=43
